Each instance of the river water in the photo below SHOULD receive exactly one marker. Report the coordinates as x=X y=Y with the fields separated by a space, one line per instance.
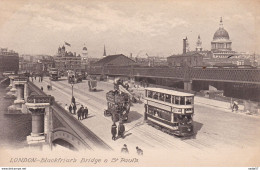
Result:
x=13 y=127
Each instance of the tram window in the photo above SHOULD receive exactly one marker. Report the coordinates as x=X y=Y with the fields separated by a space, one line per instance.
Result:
x=168 y=98
x=182 y=101
x=161 y=96
x=155 y=95
x=177 y=100
x=150 y=94
x=189 y=100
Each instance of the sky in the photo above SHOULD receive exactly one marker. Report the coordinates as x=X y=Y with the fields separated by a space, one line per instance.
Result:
x=125 y=26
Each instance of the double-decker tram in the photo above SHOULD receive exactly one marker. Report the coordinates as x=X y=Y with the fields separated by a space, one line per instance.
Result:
x=169 y=110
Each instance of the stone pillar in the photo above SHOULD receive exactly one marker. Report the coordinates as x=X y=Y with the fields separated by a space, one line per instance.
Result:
x=26 y=91
x=188 y=85
x=39 y=107
x=12 y=92
x=37 y=122
x=187 y=79
x=11 y=83
x=20 y=85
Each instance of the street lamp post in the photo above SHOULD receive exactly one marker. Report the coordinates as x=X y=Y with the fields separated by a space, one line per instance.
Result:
x=72 y=84
x=72 y=97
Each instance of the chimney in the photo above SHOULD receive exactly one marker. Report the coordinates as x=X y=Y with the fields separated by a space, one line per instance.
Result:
x=184 y=45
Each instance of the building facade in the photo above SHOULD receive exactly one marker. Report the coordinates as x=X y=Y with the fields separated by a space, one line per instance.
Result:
x=190 y=59
x=9 y=60
x=65 y=61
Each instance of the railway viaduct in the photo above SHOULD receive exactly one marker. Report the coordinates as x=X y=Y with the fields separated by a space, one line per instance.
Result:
x=226 y=79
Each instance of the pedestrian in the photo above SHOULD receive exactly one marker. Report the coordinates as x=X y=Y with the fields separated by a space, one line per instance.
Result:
x=235 y=106
x=66 y=107
x=121 y=130
x=79 y=113
x=39 y=79
x=74 y=109
x=70 y=108
x=85 y=112
x=113 y=131
x=139 y=151
x=124 y=149
x=73 y=100
x=32 y=79
x=41 y=88
x=82 y=112
x=35 y=77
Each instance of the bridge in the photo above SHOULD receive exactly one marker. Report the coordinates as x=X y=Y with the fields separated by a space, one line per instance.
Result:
x=242 y=83
x=51 y=124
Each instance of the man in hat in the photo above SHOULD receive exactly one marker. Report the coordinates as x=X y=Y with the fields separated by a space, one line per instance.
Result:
x=70 y=108
x=113 y=131
x=121 y=129
x=85 y=111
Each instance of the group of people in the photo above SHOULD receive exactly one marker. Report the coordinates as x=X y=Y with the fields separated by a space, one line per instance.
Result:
x=124 y=149
x=120 y=132
x=34 y=78
x=82 y=112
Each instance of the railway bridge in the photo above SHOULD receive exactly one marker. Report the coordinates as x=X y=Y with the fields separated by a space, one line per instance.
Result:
x=232 y=80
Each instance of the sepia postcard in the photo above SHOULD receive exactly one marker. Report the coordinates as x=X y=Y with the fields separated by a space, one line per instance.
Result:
x=130 y=83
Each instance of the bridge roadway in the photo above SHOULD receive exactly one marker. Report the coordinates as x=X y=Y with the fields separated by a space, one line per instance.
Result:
x=89 y=139
x=218 y=130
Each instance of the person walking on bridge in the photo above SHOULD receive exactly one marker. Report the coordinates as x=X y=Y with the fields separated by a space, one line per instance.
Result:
x=113 y=131
x=74 y=108
x=121 y=130
x=70 y=108
x=85 y=112
x=79 y=113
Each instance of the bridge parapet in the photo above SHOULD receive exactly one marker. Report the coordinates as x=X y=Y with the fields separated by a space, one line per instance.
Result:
x=40 y=99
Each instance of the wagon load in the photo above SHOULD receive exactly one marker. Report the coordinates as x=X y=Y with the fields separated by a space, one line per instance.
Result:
x=118 y=105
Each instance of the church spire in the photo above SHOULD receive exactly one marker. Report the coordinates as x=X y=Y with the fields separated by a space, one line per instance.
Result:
x=221 y=23
x=104 y=54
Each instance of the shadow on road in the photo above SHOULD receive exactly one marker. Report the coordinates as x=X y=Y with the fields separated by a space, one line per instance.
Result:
x=136 y=125
x=98 y=90
x=133 y=115
x=128 y=134
x=196 y=128
x=91 y=116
